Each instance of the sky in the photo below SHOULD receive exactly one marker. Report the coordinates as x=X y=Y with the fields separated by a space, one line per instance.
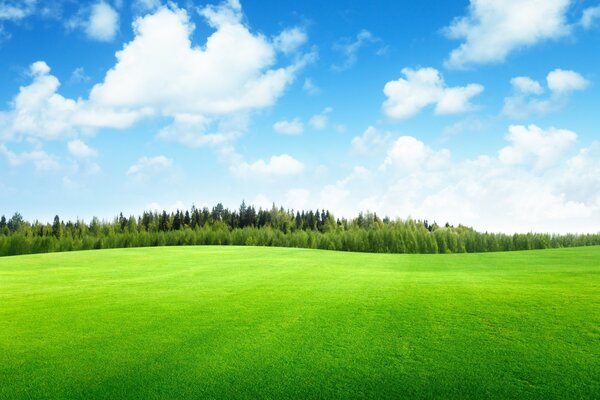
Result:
x=480 y=112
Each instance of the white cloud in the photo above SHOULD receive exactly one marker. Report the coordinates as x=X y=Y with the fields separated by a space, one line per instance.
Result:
x=80 y=150
x=159 y=68
x=407 y=153
x=564 y=81
x=423 y=87
x=42 y=161
x=262 y=201
x=78 y=75
x=194 y=130
x=39 y=112
x=234 y=73
x=526 y=100
x=144 y=6
x=524 y=84
x=581 y=179
x=293 y=127
x=541 y=186
x=290 y=40
x=206 y=90
x=336 y=197
x=320 y=121
x=146 y=165
x=590 y=16
x=371 y=138
x=493 y=29
x=455 y=100
x=103 y=22
x=532 y=144
x=297 y=199
x=349 y=49
x=16 y=11
x=170 y=208
x=277 y=166
x=310 y=87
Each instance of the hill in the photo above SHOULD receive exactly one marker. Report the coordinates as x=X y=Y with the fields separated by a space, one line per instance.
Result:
x=248 y=322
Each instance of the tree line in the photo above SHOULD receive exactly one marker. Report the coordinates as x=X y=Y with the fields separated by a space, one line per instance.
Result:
x=267 y=227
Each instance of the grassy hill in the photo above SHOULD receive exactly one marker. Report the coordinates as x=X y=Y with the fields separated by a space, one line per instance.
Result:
x=246 y=322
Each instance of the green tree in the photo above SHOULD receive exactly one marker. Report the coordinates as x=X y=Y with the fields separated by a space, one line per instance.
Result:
x=56 y=227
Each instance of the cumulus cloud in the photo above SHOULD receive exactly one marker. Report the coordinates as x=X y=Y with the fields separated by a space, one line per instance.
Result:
x=424 y=87
x=590 y=17
x=524 y=84
x=320 y=121
x=196 y=130
x=38 y=111
x=534 y=183
x=581 y=178
x=408 y=153
x=234 y=73
x=207 y=91
x=103 y=22
x=293 y=127
x=79 y=149
x=161 y=69
x=534 y=145
x=525 y=100
x=147 y=165
x=42 y=161
x=14 y=11
x=310 y=87
x=370 y=139
x=561 y=81
x=290 y=40
x=11 y=11
x=493 y=29
x=336 y=196
x=277 y=166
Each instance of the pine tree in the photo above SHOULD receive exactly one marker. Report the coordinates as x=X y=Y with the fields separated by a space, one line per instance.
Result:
x=163 y=222
x=177 y=221
x=56 y=227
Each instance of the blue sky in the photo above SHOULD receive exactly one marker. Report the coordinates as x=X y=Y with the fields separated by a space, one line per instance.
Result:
x=482 y=112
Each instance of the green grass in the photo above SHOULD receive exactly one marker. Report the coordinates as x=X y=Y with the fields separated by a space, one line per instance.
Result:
x=243 y=322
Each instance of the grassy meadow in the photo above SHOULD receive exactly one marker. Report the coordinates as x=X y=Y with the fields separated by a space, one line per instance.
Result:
x=250 y=322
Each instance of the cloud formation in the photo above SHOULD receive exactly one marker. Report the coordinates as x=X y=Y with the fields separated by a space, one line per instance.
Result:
x=103 y=22
x=79 y=149
x=207 y=92
x=292 y=127
x=277 y=166
x=590 y=17
x=493 y=29
x=424 y=87
x=146 y=165
x=349 y=48
x=526 y=99
x=537 y=182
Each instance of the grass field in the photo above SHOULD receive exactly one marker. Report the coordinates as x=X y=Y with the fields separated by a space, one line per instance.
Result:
x=243 y=322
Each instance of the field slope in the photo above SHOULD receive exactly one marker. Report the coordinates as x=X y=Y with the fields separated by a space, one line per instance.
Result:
x=243 y=322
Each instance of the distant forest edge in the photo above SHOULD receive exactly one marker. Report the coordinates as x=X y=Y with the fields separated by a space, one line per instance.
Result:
x=275 y=227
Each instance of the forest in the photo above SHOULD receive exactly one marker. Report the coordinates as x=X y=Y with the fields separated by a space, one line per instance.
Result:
x=267 y=227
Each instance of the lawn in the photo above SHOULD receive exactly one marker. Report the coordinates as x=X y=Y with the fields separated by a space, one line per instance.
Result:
x=247 y=322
